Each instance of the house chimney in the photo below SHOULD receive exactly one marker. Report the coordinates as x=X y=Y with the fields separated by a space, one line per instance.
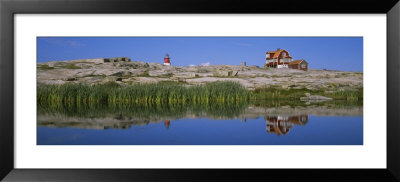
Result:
x=278 y=49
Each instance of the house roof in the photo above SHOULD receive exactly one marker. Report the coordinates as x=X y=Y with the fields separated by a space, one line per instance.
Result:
x=278 y=130
x=275 y=54
x=297 y=62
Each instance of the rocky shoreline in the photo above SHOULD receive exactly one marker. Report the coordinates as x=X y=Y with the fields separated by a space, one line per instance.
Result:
x=126 y=72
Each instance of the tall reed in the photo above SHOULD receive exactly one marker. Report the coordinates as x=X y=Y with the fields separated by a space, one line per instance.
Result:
x=113 y=94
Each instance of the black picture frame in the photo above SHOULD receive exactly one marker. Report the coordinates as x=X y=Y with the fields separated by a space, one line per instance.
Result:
x=9 y=8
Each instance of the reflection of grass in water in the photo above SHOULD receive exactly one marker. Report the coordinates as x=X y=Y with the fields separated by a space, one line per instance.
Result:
x=147 y=111
x=217 y=110
x=297 y=103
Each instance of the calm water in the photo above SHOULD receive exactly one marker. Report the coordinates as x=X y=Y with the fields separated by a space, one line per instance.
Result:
x=249 y=125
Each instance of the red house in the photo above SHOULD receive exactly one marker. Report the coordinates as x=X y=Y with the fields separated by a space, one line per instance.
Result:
x=278 y=59
x=281 y=59
x=299 y=64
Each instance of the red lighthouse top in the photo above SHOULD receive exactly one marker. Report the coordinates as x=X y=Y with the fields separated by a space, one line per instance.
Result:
x=166 y=60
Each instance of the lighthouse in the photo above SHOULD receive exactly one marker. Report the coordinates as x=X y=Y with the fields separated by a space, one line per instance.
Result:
x=166 y=60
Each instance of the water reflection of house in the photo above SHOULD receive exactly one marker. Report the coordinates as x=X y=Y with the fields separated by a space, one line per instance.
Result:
x=167 y=123
x=281 y=125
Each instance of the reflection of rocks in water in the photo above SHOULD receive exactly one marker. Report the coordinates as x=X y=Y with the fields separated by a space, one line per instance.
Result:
x=281 y=125
x=124 y=120
x=88 y=123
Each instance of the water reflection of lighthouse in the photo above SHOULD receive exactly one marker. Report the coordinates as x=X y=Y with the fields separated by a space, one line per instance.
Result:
x=167 y=123
x=281 y=125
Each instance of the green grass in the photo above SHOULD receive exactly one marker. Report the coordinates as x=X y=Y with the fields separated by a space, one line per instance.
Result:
x=295 y=94
x=76 y=95
x=70 y=66
x=168 y=75
x=44 y=67
x=145 y=74
x=174 y=96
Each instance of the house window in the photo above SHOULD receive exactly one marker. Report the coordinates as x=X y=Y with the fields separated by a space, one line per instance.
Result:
x=267 y=55
x=284 y=54
x=303 y=66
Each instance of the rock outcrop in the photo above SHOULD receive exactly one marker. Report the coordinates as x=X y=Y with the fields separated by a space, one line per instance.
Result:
x=314 y=98
x=125 y=71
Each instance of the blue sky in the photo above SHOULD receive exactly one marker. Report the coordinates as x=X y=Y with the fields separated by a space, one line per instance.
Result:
x=333 y=53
